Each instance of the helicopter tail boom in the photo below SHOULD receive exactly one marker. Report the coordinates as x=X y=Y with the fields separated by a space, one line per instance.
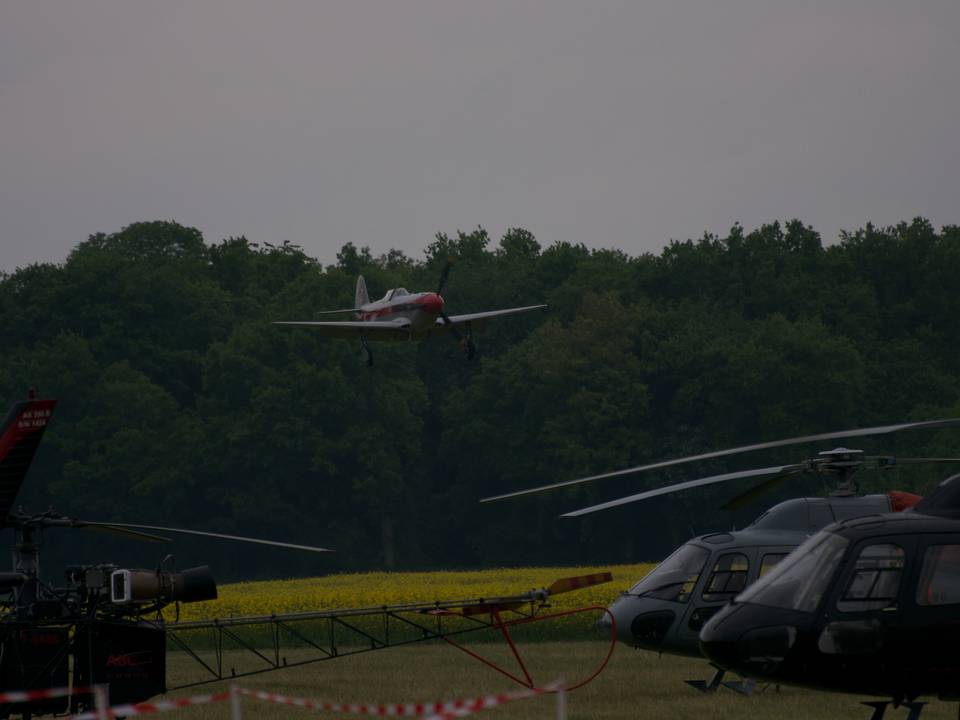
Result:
x=20 y=435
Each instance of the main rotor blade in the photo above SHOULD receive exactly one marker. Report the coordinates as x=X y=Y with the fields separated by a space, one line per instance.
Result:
x=125 y=532
x=201 y=533
x=748 y=496
x=699 y=482
x=879 y=430
x=920 y=461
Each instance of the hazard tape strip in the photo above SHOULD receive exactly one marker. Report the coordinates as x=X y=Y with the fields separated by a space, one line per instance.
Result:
x=149 y=708
x=20 y=696
x=431 y=711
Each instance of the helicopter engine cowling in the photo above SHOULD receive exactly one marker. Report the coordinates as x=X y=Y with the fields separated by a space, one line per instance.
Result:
x=146 y=586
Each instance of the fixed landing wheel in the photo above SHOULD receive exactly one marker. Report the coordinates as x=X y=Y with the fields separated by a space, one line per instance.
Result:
x=366 y=354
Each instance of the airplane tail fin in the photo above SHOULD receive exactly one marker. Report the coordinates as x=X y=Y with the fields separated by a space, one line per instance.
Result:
x=361 y=298
x=20 y=434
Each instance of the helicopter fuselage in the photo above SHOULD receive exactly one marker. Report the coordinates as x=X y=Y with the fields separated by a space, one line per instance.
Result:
x=666 y=610
x=868 y=606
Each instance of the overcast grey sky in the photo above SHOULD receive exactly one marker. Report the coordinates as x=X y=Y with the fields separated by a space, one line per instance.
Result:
x=382 y=123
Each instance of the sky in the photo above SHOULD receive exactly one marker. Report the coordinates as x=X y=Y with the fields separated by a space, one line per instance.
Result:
x=615 y=124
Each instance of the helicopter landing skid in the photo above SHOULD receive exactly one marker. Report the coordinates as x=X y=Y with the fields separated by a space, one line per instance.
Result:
x=880 y=707
x=743 y=687
x=710 y=686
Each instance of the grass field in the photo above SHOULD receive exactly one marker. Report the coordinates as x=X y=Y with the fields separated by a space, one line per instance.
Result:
x=635 y=685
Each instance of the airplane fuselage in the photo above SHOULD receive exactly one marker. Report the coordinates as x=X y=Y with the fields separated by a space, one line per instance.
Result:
x=421 y=310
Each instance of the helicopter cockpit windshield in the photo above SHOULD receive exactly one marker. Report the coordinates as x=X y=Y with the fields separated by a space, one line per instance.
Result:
x=800 y=580
x=674 y=578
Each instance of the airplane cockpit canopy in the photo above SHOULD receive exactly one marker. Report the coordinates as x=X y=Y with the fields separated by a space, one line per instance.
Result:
x=395 y=293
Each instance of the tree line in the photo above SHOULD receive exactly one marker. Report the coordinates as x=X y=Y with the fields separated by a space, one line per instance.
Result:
x=181 y=404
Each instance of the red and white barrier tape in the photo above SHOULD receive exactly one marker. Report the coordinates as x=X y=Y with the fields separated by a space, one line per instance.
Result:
x=429 y=711
x=20 y=696
x=149 y=708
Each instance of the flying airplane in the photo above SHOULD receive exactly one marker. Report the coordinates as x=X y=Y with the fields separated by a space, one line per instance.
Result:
x=402 y=315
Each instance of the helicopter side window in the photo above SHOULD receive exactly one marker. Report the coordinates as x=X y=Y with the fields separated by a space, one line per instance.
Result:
x=940 y=576
x=876 y=579
x=728 y=577
x=769 y=562
x=799 y=582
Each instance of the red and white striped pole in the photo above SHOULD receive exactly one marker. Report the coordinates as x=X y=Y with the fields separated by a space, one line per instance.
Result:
x=101 y=702
x=235 y=711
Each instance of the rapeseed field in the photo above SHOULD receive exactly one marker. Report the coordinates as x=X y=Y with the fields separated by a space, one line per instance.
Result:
x=353 y=590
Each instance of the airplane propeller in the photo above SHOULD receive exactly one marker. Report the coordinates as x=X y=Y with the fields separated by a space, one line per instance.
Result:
x=444 y=276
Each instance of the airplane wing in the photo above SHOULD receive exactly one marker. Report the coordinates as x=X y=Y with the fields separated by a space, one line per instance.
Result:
x=474 y=317
x=371 y=329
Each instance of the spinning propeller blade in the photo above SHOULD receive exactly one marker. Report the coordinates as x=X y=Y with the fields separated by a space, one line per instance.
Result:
x=879 y=430
x=444 y=274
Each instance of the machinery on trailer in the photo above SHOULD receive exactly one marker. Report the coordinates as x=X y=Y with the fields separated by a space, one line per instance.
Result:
x=104 y=625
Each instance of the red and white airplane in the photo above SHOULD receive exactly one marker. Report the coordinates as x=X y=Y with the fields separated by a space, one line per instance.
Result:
x=402 y=315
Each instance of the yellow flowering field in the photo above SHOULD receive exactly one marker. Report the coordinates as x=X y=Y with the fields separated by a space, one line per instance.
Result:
x=353 y=590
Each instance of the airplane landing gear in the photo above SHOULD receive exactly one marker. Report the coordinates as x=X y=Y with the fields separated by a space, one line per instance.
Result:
x=365 y=352
x=469 y=349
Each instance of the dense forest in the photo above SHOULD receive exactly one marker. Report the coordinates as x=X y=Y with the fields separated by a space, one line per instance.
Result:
x=181 y=404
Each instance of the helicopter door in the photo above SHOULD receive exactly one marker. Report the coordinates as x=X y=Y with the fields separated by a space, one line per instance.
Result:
x=728 y=576
x=865 y=611
x=932 y=619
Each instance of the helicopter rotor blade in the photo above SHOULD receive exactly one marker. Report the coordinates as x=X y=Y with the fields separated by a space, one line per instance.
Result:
x=894 y=461
x=201 y=533
x=699 y=482
x=881 y=461
x=125 y=532
x=878 y=430
x=761 y=488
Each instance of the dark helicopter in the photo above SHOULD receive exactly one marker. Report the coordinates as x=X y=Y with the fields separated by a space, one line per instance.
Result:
x=94 y=629
x=665 y=611
x=868 y=605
